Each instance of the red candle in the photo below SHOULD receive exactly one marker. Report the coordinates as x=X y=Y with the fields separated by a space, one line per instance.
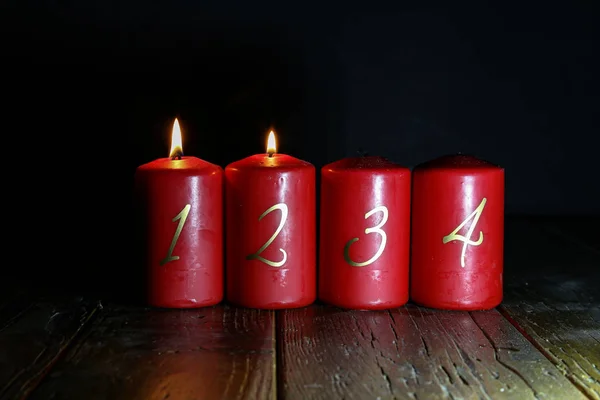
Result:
x=271 y=227
x=364 y=233
x=182 y=205
x=457 y=234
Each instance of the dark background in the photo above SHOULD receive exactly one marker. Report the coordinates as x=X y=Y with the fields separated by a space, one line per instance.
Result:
x=91 y=88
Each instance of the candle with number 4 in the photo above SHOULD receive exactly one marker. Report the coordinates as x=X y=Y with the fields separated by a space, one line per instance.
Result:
x=457 y=233
x=181 y=199
x=365 y=233
x=270 y=230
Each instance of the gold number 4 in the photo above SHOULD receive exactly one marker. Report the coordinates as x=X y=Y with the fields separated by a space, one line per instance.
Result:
x=182 y=216
x=375 y=229
x=475 y=215
x=256 y=256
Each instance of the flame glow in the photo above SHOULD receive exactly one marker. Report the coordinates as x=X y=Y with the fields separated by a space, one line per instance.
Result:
x=176 y=146
x=271 y=144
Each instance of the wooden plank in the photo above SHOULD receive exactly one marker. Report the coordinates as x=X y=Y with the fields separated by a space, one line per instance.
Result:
x=555 y=300
x=35 y=337
x=411 y=353
x=137 y=353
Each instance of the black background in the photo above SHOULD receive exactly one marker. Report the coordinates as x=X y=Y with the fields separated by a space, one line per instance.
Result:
x=91 y=88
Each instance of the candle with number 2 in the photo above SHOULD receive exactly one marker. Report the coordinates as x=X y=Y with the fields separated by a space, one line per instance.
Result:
x=181 y=200
x=271 y=231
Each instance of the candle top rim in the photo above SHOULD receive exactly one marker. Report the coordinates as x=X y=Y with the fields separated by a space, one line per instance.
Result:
x=186 y=163
x=263 y=161
x=365 y=163
x=458 y=161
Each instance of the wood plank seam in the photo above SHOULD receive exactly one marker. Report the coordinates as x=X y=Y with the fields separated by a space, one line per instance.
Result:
x=75 y=339
x=499 y=360
x=544 y=352
x=462 y=354
x=408 y=353
x=33 y=381
x=95 y=320
x=132 y=352
x=428 y=354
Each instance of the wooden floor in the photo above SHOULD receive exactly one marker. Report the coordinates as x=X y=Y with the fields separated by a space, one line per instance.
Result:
x=543 y=342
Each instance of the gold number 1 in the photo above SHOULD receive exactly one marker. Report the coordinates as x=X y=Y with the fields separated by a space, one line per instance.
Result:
x=475 y=215
x=182 y=216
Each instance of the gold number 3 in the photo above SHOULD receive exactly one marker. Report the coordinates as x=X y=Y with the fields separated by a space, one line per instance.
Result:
x=182 y=216
x=475 y=215
x=256 y=256
x=375 y=229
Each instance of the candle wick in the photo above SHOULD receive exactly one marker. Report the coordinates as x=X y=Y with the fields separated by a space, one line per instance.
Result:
x=271 y=154
x=177 y=155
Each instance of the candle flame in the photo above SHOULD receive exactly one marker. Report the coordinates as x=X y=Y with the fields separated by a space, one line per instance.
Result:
x=176 y=146
x=271 y=144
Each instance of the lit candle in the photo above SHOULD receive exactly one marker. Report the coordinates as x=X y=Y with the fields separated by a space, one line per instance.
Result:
x=457 y=233
x=270 y=230
x=181 y=200
x=365 y=233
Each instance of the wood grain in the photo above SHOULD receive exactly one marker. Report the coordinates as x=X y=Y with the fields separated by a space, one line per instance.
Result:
x=35 y=337
x=137 y=353
x=411 y=353
x=555 y=301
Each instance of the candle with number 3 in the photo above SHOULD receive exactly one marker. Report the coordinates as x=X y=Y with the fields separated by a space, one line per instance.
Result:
x=365 y=233
x=457 y=233
x=270 y=230
x=181 y=200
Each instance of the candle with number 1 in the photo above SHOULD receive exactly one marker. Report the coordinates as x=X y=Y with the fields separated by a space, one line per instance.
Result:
x=271 y=231
x=181 y=200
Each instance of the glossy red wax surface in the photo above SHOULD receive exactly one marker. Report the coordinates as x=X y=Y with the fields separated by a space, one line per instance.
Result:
x=350 y=188
x=252 y=186
x=164 y=188
x=446 y=192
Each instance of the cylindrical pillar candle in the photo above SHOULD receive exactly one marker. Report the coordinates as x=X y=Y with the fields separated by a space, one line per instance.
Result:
x=364 y=233
x=457 y=233
x=270 y=231
x=181 y=201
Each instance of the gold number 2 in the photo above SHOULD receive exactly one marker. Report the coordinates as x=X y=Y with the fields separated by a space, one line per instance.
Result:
x=182 y=216
x=256 y=256
x=375 y=229
x=475 y=215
